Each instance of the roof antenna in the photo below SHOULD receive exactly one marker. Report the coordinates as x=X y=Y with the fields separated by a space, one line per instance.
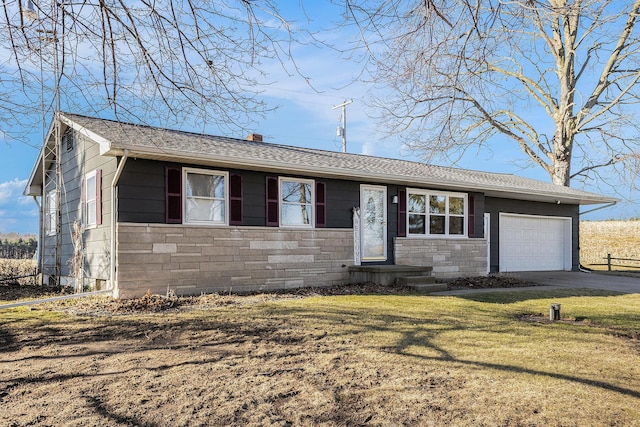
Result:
x=342 y=130
x=30 y=11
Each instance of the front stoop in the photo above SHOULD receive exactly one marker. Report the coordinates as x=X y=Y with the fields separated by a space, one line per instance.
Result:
x=416 y=277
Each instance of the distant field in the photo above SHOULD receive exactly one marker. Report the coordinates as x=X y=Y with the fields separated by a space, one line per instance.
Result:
x=17 y=268
x=621 y=239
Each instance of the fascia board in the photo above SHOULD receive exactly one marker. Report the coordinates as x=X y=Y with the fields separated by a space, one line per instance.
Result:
x=103 y=143
x=33 y=189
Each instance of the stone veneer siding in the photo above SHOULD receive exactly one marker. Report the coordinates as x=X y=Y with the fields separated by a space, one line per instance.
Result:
x=450 y=258
x=190 y=260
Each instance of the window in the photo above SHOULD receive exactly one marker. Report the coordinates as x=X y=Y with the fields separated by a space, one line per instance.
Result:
x=90 y=201
x=296 y=202
x=50 y=213
x=436 y=214
x=205 y=200
x=92 y=198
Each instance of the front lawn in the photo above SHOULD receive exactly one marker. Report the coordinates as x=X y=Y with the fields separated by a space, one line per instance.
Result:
x=483 y=359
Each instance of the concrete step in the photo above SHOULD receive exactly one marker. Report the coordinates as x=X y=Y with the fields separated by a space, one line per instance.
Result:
x=422 y=283
x=385 y=274
x=430 y=287
x=416 y=280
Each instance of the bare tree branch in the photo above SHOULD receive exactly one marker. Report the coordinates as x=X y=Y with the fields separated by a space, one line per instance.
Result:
x=162 y=58
x=559 y=78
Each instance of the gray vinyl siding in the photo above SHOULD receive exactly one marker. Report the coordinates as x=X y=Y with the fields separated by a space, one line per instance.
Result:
x=97 y=239
x=342 y=197
x=479 y=210
x=254 y=199
x=495 y=206
x=141 y=192
x=84 y=157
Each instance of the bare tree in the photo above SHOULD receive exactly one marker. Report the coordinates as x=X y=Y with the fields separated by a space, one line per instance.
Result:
x=556 y=77
x=193 y=59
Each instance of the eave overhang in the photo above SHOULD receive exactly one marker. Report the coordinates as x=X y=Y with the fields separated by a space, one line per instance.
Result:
x=338 y=173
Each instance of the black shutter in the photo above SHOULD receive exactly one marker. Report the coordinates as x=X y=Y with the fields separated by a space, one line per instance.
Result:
x=272 y=202
x=471 y=226
x=402 y=212
x=173 y=195
x=235 y=199
x=321 y=206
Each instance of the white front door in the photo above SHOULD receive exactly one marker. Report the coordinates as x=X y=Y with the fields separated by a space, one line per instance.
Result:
x=373 y=209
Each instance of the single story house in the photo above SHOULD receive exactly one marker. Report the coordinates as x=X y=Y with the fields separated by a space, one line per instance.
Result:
x=134 y=208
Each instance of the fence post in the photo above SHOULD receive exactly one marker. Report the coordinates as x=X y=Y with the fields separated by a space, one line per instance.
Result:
x=608 y=262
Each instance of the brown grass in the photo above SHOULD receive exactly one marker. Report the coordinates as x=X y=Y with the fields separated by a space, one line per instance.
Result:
x=621 y=239
x=325 y=361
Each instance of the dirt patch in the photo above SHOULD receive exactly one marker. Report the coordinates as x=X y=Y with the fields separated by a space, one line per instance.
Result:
x=149 y=303
x=487 y=282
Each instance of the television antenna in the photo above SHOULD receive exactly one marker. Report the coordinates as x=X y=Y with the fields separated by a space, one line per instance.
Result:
x=342 y=130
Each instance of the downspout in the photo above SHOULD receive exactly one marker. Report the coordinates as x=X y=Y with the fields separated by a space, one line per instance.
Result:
x=597 y=209
x=114 y=218
x=580 y=266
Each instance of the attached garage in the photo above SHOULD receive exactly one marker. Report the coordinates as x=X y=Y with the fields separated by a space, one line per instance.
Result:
x=534 y=243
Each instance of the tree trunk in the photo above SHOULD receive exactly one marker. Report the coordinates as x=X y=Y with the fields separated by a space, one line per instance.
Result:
x=562 y=146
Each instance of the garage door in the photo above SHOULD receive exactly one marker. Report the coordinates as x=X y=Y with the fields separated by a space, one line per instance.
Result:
x=534 y=243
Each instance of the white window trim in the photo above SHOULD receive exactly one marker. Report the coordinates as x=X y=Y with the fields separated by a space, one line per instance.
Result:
x=427 y=193
x=50 y=213
x=312 y=183
x=88 y=176
x=185 y=197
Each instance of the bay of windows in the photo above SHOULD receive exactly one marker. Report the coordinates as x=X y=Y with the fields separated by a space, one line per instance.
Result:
x=436 y=213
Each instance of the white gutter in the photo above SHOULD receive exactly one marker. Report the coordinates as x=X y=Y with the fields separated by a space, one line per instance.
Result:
x=390 y=178
x=114 y=217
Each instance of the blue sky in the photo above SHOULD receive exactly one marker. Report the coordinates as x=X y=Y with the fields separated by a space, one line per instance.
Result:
x=304 y=117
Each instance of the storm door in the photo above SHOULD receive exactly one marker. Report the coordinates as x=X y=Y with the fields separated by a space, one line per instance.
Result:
x=373 y=209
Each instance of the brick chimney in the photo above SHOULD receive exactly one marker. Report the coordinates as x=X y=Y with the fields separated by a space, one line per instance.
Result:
x=255 y=137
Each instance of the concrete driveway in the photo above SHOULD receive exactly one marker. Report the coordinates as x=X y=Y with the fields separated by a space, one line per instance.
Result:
x=566 y=279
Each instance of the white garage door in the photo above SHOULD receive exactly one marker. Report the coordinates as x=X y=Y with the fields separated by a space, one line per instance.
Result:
x=534 y=243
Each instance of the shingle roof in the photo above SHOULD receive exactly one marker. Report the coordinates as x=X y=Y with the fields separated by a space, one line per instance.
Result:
x=164 y=144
